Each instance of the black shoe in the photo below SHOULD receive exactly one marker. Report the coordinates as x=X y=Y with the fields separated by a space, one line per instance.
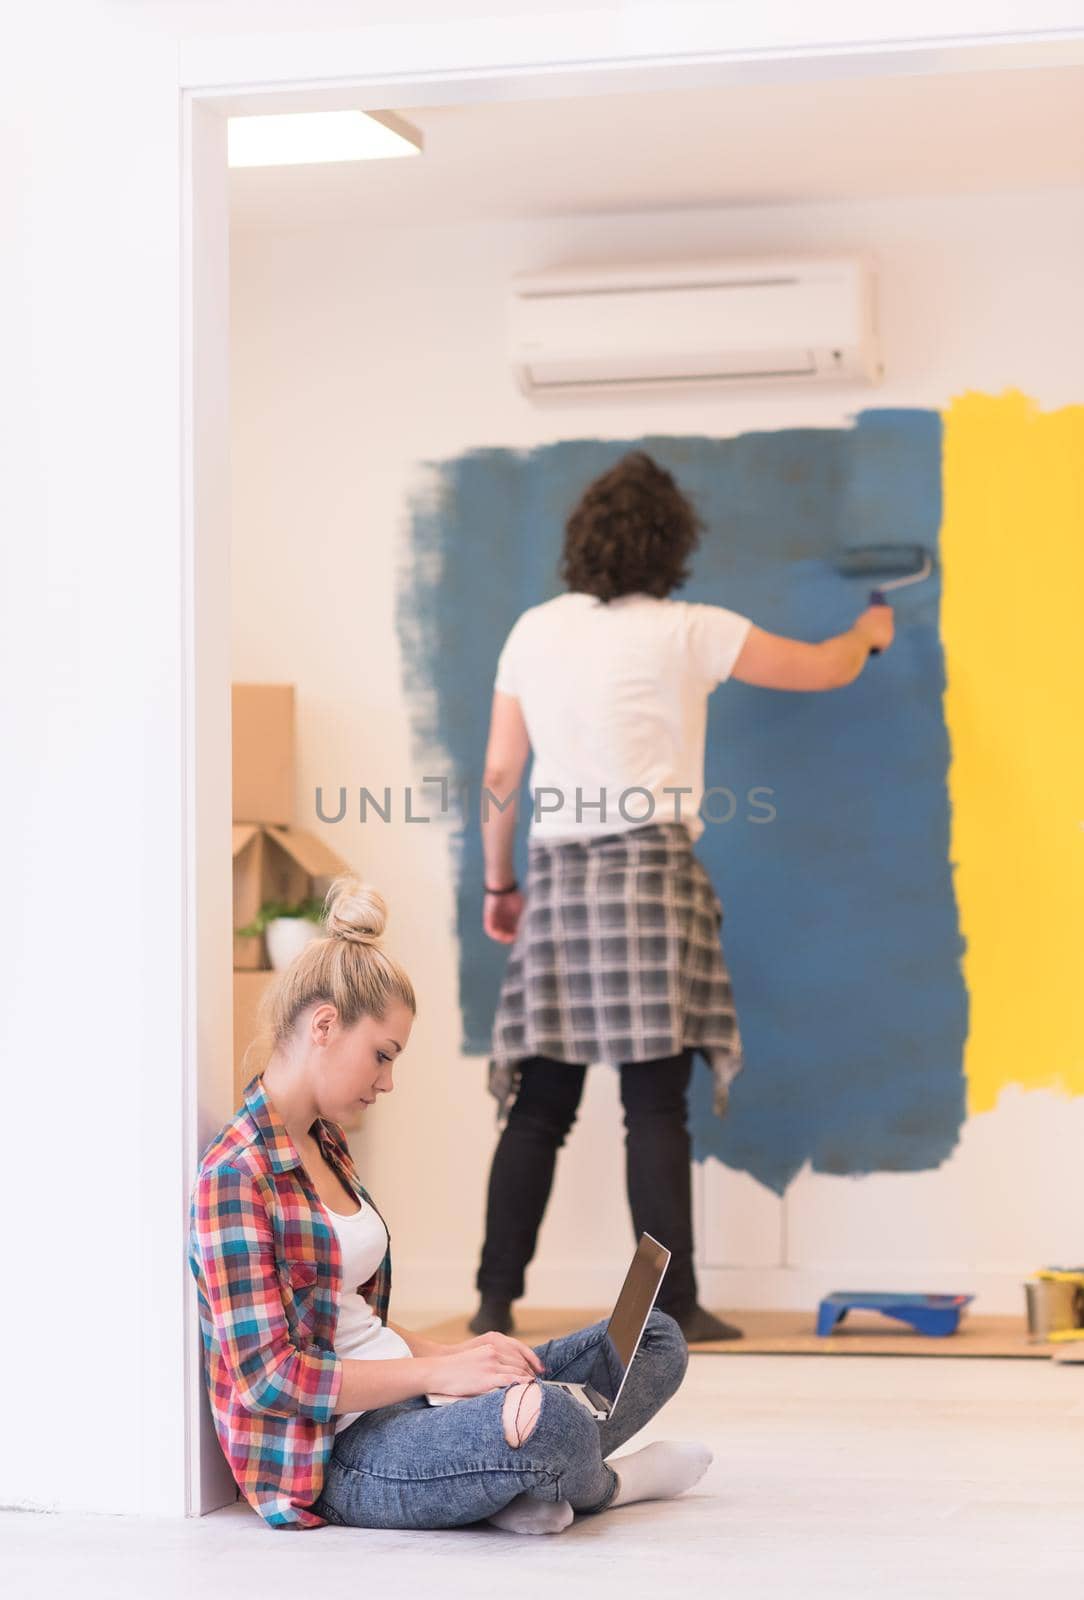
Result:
x=492 y=1316
x=704 y=1327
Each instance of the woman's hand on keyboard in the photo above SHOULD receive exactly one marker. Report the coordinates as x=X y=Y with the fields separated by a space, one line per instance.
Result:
x=492 y=1361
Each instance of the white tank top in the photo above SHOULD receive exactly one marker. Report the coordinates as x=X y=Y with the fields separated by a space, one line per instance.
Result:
x=359 y=1334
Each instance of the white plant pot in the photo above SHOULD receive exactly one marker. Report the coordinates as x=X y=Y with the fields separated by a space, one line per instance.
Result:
x=286 y=936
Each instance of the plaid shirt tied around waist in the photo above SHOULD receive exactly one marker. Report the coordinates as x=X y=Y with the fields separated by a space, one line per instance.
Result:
x=618 y=957
x=268 y=1272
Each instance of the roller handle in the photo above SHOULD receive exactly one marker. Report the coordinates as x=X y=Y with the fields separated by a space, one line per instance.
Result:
x=876 y=598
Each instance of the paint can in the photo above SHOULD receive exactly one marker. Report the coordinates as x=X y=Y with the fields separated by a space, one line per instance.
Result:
x=1055 y=1302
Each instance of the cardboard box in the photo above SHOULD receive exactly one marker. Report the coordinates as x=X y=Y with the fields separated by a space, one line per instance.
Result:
x=248 y=989
x=248 y=896
x=271 y=863
x=264 y=776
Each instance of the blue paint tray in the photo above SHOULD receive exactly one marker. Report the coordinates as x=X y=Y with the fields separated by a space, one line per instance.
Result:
x=936 y=1315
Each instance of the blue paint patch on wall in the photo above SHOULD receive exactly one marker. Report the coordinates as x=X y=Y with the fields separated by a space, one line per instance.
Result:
x=840 y=929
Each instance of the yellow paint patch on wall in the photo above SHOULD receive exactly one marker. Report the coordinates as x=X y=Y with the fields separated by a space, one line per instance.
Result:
x=1012 y=549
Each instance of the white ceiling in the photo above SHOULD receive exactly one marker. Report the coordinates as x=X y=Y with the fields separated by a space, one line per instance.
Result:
x=758 y=144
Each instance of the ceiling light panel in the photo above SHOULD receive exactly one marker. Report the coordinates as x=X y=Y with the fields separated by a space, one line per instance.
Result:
x=311 y=137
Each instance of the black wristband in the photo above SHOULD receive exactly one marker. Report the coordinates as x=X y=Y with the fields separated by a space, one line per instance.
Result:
x=511 y=889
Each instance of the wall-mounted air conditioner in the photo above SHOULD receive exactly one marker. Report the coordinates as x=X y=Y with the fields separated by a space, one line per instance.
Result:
x=695 y=324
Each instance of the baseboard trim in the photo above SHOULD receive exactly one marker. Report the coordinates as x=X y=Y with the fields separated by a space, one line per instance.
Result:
x=422 y=1285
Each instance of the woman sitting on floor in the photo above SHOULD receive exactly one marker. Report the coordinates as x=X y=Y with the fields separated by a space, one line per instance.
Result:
x=318 y=1400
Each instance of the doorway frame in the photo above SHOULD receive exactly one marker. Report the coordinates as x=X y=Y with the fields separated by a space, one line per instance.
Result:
x=469 y=62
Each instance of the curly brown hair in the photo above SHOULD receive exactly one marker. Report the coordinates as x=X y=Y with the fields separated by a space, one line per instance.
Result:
x=631 y=533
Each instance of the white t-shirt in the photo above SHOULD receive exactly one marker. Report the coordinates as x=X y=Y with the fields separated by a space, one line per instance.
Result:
x=615 y=698
x=360 y=1335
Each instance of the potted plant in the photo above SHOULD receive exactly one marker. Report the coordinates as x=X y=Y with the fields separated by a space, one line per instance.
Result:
x=289 y=925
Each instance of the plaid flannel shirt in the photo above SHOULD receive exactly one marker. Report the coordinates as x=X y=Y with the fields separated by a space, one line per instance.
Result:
x=268 y=1270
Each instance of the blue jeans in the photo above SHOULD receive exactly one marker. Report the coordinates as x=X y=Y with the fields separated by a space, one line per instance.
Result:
x=413 y=1465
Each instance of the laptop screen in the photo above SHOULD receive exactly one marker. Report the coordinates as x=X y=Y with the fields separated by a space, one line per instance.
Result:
x=626 y=1325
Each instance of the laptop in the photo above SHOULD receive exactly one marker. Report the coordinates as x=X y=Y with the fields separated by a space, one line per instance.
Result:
x=602 y=1389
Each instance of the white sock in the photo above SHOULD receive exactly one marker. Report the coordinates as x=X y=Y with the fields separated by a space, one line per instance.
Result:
x=659 y=1471
x=526 y=1515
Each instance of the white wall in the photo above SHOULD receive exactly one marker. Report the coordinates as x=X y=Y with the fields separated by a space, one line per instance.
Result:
x=91 y=630
x=360 y=352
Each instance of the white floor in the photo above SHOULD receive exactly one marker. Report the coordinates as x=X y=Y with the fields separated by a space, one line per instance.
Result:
x=880 y=1478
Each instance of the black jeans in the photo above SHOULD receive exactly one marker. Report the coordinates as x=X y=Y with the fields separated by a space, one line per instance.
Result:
x=657 y=1147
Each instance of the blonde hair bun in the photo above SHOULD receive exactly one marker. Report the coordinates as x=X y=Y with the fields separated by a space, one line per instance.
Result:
x=355 y=911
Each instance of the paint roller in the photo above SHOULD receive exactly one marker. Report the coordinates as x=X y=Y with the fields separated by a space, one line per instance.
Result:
x=894 y=566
